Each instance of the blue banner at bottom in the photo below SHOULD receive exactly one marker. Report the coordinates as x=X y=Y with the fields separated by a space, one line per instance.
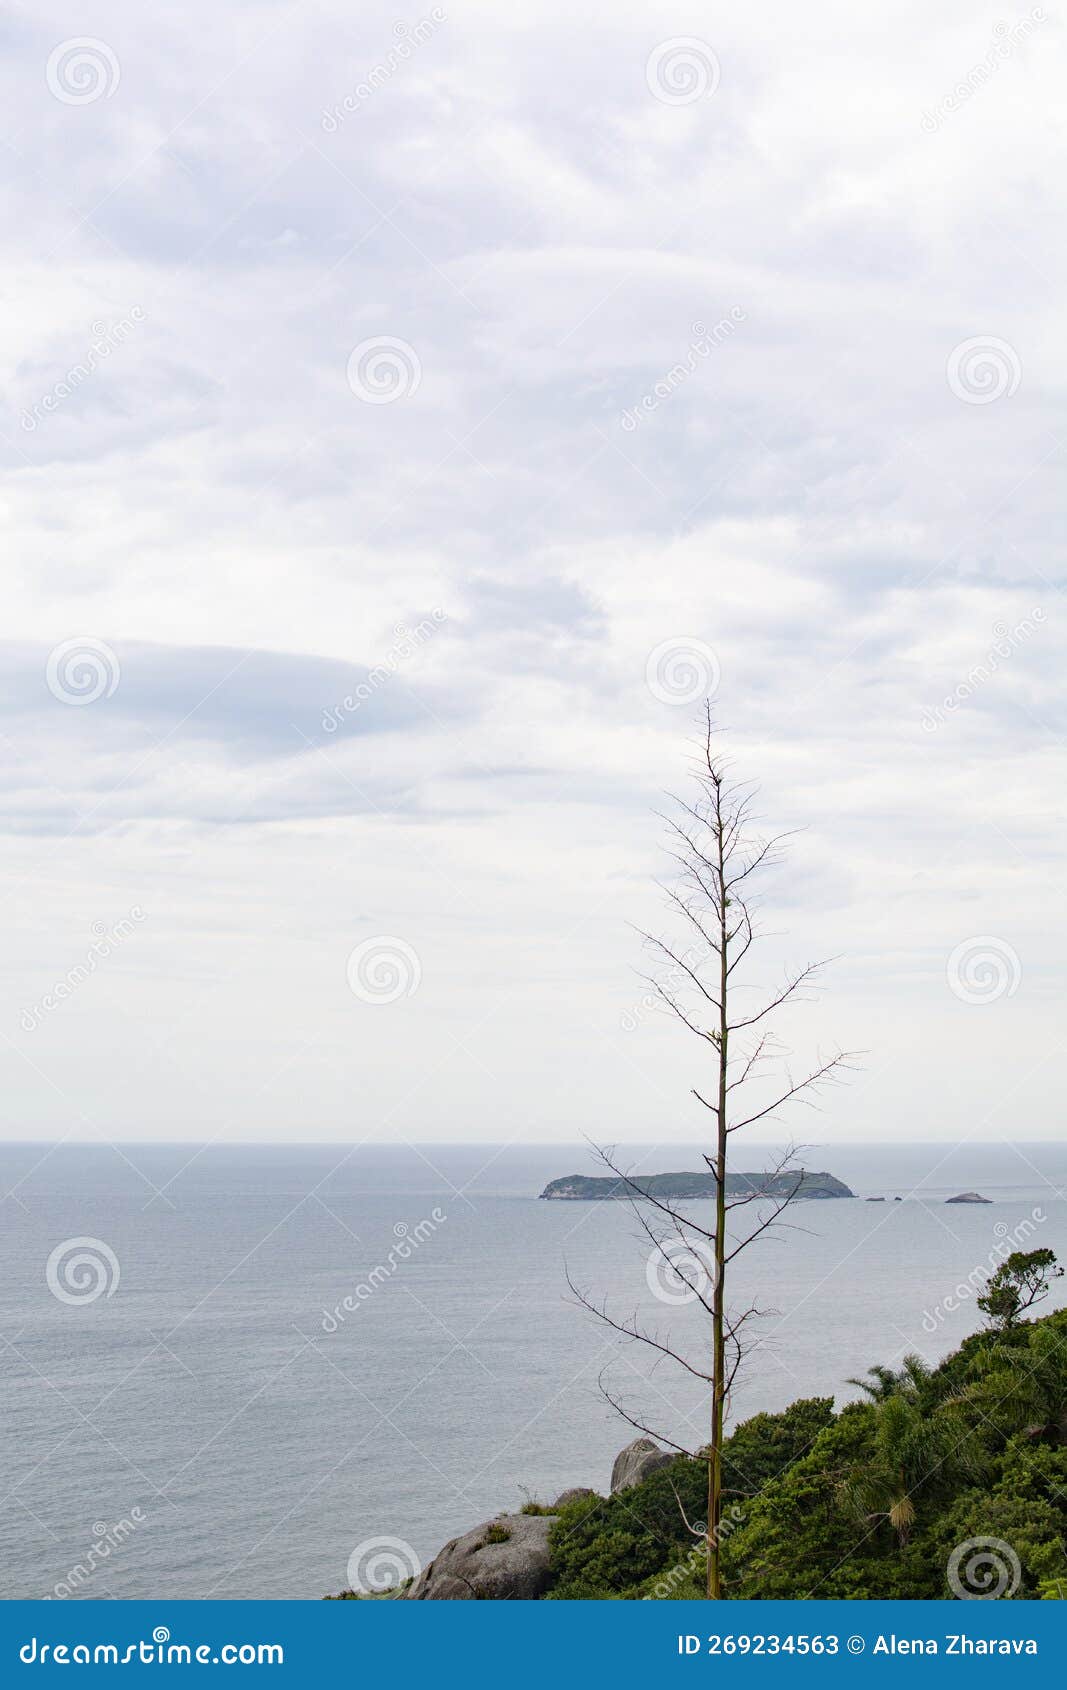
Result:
x=536 y=1643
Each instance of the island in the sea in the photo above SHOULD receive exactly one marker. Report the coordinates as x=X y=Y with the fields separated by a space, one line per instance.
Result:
x=587 y=1188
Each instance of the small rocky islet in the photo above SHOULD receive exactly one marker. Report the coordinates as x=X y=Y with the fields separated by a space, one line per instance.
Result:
x=681 y=1187
x=685 y=1187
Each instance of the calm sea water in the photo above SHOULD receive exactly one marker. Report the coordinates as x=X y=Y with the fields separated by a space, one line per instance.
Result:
x=223 y=1404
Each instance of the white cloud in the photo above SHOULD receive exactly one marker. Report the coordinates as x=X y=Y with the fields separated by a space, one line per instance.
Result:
x=812 y=501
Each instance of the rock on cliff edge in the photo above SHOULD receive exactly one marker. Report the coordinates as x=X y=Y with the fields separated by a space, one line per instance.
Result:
x=636 y=1462
x=504 y=1560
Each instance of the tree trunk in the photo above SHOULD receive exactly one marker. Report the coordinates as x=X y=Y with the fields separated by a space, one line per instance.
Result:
x=712 y=843
x=718 y=1366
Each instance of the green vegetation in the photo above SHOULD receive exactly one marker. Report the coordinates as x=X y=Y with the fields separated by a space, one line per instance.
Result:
x=866 y=1503
x=617 y=1545
x=389 y=1595
x=946 y=1480
x=1018 y=1283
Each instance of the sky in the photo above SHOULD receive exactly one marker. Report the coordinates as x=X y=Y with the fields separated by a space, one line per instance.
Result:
x=409 y=417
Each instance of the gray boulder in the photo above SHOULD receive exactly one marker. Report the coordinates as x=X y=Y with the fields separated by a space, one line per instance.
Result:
x=577 y=1494
x=504 y=1560
x=636 y=1462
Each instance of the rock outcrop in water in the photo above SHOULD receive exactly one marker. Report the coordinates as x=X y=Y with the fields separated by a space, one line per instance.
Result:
x=968 y=1197
x=586 y=1188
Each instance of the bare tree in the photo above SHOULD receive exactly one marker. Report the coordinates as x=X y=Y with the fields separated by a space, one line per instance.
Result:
x=717 y=852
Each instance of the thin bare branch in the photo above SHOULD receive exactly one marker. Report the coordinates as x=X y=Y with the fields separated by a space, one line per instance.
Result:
x=675 y=1007
x=680 y=963
x=751 y=1062
x=696 y=1531
x=794 y=985
x=812 y=1081
x=640 y=1192
x=640 y=1425
x=631 y=1329
x=763 y=854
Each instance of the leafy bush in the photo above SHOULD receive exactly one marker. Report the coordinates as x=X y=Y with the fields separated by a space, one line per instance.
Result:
x=611 y=1546
x=868 y=1503
x=873 y=1502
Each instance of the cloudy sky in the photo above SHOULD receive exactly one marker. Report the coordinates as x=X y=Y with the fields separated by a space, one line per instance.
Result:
x=406 y=416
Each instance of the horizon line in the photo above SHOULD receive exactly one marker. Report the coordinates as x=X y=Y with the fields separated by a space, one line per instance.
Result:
x=483 y=1143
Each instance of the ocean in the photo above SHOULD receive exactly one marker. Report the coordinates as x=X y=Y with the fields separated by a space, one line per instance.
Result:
x=259 y=1360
